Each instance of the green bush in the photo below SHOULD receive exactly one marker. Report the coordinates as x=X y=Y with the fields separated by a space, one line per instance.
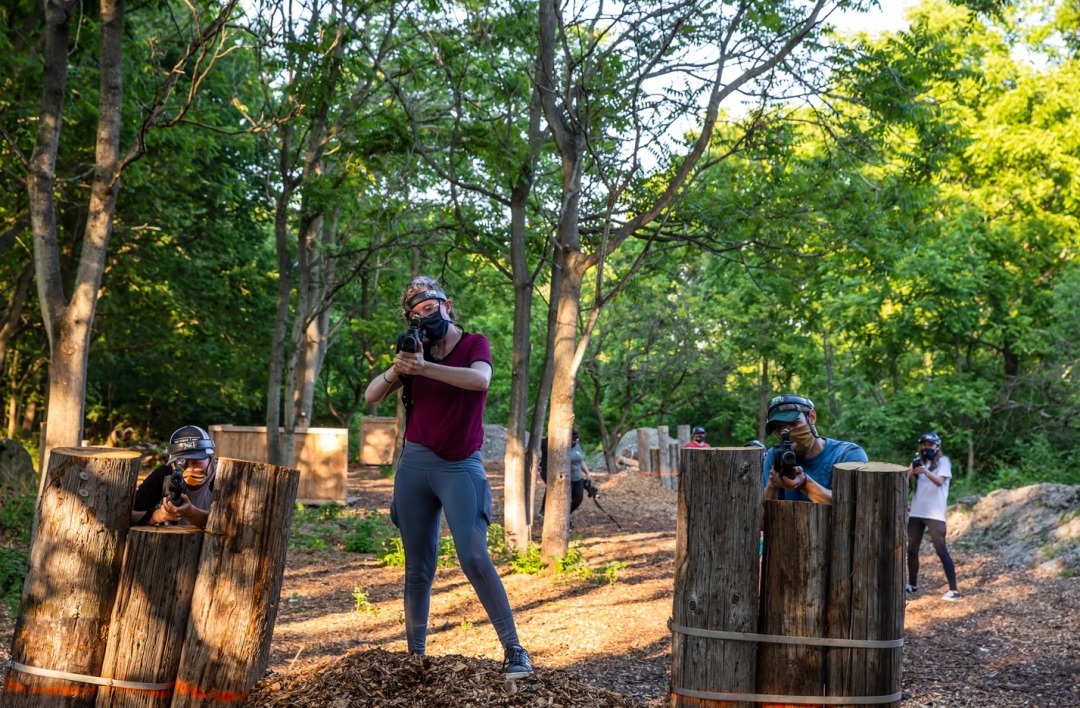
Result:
x=392 y=553
x=12 y=572
x=529 y=562
x=368 y=533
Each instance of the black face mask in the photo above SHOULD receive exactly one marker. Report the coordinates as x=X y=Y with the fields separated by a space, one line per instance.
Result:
x=699 y=438
x=928 y=453
x=434 y=326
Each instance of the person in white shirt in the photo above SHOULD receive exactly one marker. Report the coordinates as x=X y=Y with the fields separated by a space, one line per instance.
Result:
x=932 y=472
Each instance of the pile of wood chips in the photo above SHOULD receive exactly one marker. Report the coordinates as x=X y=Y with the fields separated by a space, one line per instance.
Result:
x=380 y=678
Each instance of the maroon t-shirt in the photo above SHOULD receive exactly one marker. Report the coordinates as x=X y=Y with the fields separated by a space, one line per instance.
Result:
x=445 y=418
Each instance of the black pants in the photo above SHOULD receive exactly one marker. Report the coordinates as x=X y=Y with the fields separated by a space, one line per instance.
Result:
x=577 y=494
x=915 y=528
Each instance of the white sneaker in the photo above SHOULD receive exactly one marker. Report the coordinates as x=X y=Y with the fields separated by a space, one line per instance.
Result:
x=952 y=596
x=911 y=589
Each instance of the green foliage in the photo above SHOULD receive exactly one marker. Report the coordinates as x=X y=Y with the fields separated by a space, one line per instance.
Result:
x=392 y=553
x=530 y=562
x=16 y=520
x=368 y=533
x=361 y=603
x=13 y=564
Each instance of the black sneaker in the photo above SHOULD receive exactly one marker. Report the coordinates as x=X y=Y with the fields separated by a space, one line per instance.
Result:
x=517 y=664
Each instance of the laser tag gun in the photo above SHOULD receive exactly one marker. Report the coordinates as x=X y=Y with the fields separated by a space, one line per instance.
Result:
x=594 y=494
x=175 y=485
x=784 y=459
x=410 y=341
x=918 y=461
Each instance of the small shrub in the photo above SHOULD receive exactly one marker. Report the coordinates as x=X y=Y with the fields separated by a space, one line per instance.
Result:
x=572 y=566
x=361 y=603
x=496 y=543
x=387 y=471
x=529 y=562
x=368 y=533
x=447 y=552
x=13 y=563
x=392 y=553
x=610 y=571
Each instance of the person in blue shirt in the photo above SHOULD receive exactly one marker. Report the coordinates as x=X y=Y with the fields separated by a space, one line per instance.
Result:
x=815 y=455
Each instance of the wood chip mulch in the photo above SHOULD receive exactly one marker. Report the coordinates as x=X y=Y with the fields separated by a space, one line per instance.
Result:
x=377 y=678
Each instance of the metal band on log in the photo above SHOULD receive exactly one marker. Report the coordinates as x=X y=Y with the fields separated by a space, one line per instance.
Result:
x=866 y=595
x=716 y=573
x=235 y=601
x=71 y=581
x=794 y=582
x=151 y=613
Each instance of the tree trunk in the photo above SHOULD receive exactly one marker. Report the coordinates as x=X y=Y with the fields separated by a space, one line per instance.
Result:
x=520 y=482
x=150 y=616
x=866 y=578
x=72 y=577
x=556 y=537
x=794 y=581
x=520 y=474
x=236 y=594
x=281 y=315
x=716 y=575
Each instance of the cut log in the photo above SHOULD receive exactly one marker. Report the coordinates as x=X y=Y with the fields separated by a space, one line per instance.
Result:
x=866 y=584
x=75 y=559
x=794 y=582
x=150 y=616
x=716 y=577
x=643 y=450
x=236 y=594
x=663 y=457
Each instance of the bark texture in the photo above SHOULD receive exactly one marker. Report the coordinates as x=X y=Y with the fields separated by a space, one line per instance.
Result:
x=716 y=574
x=72 y=578
x=236 y=594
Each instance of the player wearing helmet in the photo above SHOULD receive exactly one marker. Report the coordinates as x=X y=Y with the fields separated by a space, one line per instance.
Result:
x=191 y=453
x=815 y=455
x=697 y=438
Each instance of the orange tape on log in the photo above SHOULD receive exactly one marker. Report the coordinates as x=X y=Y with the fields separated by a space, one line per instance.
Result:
x=214 y=694
x=10 y=684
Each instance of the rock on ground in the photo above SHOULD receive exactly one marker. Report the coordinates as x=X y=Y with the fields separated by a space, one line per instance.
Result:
x=1036 y=525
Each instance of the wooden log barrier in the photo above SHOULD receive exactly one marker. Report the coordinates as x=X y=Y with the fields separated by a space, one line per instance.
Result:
x=72 y=577
x=150 y=616
x=663 y=457
x=643 y=456
x=716 y=578
x=236 y=594
x=866 y=583
x=654 y=463
x=794 y=589
x=676 y=467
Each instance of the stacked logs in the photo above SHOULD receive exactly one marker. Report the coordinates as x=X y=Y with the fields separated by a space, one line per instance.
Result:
x=155 y=616
x=823 y=619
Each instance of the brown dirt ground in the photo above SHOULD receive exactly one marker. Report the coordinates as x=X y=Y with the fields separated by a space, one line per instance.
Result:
x=1012 y=640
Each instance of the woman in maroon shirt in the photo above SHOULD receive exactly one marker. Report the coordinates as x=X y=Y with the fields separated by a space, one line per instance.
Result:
x=445 y=388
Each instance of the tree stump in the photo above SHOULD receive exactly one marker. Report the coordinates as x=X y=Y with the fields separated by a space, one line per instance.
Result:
x=644 y=459
x=866 y=583
x=150 y=616
x=664 y=456
x=67 y=598
x=673 y=454
x=794 y=587
x=236 y=594
x=716 y=577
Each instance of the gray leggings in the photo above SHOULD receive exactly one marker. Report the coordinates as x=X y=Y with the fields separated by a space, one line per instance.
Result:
x=426 y=485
